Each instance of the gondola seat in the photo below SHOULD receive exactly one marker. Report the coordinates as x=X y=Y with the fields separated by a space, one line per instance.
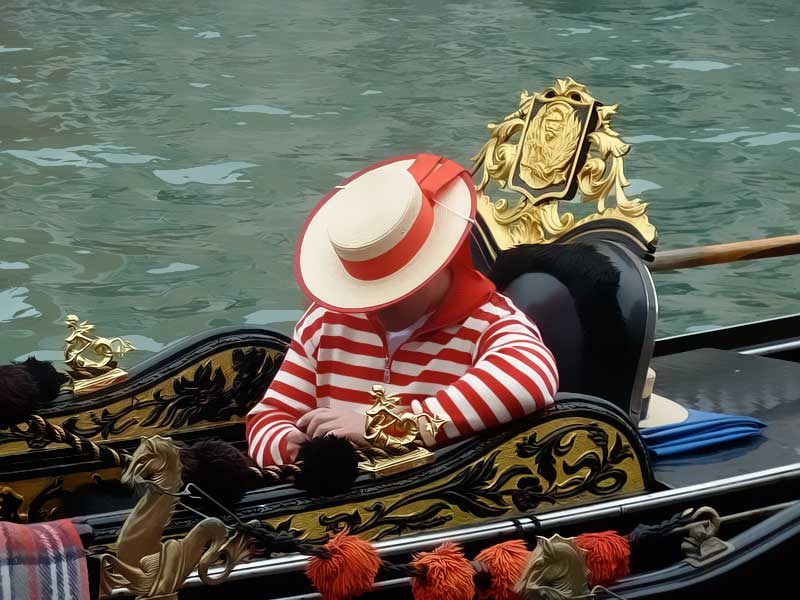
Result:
x=595 y=305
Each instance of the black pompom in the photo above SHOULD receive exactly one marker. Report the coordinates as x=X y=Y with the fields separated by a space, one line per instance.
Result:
x=330 y=466
x=218 y=468
x=47 y=378
x=24 y=386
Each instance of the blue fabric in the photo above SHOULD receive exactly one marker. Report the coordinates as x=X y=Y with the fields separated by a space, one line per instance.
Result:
x=700 y=430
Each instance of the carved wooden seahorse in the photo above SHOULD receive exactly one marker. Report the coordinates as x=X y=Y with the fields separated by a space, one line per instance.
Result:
x=143 y=563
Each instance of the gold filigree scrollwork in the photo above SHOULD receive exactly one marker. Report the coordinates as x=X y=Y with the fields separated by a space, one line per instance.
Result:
x=558 y=142
x=603 y=174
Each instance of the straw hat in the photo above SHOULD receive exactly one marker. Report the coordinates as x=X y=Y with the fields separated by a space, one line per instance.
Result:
x=385 y=232
x=658 y=410
x=663 y=411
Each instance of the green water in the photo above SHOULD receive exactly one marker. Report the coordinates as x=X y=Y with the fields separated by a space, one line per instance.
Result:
x=157 y=158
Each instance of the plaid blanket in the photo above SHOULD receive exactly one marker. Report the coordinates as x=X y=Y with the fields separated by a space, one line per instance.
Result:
x=45 y=561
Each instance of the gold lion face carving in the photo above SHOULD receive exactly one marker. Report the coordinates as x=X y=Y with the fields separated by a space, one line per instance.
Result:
x=550 y=145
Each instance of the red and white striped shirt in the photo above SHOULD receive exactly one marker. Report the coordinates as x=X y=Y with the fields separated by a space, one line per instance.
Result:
x=479 y=362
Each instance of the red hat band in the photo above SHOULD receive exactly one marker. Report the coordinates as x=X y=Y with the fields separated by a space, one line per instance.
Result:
x=432 y=174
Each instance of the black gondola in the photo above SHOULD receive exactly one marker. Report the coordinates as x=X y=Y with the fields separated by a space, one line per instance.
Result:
x=581 y=466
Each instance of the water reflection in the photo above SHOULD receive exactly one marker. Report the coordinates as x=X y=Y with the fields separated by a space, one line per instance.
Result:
x=138 y=141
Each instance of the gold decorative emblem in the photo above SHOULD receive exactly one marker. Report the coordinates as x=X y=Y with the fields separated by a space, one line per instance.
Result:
x=397 y=438
x=558 y=142
x=92 y=360
x=550 y=145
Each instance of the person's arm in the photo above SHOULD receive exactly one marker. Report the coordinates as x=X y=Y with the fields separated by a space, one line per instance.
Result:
x=514 y=374
x=272 y=433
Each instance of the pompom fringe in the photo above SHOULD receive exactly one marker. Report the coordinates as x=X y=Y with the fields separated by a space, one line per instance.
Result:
x=447 y=575
x=607 y=556
x=506 y=563
x=330 y=466
x=348 y=571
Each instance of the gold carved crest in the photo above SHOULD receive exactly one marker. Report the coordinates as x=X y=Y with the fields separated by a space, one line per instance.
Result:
x=557 y=143
x=548 y=149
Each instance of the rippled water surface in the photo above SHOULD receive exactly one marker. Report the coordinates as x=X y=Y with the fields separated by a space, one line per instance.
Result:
x=157 y=158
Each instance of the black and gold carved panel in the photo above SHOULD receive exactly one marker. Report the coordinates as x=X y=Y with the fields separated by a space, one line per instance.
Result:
x=212 y=382
x=565 y=458
x=53 y=497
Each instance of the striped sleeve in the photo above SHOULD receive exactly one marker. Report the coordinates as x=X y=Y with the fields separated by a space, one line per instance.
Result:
x=514 y=374
x=291 y=394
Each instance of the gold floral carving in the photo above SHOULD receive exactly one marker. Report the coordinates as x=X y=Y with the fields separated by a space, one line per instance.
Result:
x=558 y=142
x=563 y=462
x=200 y=396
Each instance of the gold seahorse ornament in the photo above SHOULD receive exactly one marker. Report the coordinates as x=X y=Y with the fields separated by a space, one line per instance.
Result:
x=397 y=439
x=92 y=360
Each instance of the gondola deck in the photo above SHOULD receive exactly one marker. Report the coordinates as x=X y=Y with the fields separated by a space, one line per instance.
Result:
x=725 y=381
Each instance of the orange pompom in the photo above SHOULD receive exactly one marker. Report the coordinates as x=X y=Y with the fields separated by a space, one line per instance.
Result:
x=607 y=556
x=348 y=572
x=448 y=575
x=506 y=563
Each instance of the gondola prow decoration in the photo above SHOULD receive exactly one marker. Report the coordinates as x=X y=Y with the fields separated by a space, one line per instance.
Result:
x=148 y=566
x=92 y=360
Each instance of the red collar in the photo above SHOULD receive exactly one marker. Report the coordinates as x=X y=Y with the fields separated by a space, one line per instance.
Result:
x=468 y=290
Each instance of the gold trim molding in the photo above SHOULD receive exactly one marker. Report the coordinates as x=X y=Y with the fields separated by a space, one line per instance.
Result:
x=557 y=143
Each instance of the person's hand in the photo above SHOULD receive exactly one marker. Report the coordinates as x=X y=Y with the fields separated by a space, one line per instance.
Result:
x=339 y=422
x=294 y=439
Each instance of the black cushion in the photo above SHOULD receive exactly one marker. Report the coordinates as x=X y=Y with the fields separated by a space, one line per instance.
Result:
x=550 y=305
x=592 y=302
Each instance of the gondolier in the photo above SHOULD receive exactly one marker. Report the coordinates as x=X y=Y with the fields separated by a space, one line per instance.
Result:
x=385 y=260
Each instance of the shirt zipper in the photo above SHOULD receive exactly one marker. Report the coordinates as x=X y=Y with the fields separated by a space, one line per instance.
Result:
x=387 y=369
x=387 y=372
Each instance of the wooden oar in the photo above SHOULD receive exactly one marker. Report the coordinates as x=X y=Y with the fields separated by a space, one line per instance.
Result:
x=726 y=253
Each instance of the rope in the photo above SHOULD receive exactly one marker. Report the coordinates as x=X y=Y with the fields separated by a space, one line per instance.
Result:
x=275 y=474
x=38 y=425
x=56 y=433
x=392 y=571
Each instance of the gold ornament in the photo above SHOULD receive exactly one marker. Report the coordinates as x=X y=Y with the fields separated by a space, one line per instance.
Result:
x=557 y=143
x=92 y=360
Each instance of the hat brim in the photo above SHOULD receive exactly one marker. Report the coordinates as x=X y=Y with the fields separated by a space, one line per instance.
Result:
x=663 y=411
x=322 y=277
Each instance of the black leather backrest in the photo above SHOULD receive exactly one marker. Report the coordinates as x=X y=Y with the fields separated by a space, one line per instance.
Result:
x=639 y=306
x=549 y=304
x=612 y=365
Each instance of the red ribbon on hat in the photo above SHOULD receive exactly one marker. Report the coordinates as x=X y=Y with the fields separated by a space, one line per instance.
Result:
x=432 y=174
